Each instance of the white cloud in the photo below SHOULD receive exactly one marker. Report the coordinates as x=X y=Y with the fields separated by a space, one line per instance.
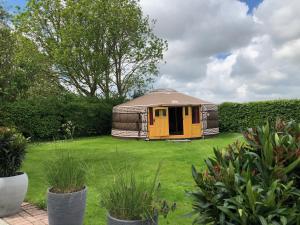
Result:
x=265 y=48
x=289 y=51
x=280 y=19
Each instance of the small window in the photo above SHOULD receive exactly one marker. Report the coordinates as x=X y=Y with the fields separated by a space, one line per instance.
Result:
x=186 y=111
x=151 y=115
x=157 y=113
x=195 y=115
x=164 y=112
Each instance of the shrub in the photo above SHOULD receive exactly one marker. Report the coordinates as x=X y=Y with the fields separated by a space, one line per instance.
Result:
x=256 y=182
x=90 y=116
x=37 y=118
x=12 y=151
x=239 y=116
x=130 y=198
x=44 y=118
x=65 y=174
x=68 y=130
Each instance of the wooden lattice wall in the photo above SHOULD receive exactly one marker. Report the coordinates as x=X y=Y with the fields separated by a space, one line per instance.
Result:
x=210 y=119
x=130 y=122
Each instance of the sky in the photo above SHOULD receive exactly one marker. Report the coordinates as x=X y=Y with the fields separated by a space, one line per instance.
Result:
x=227 y=50
x=11 y=4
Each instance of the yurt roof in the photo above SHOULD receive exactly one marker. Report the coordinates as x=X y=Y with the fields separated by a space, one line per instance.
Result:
x=164 y=97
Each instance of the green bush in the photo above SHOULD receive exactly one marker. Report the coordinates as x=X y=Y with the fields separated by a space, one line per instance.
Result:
x=257 y=182
x=90 y=116
x=36 y=118
x=239 y=116
x=45 y=118
x=12 y=151
x=65 y=174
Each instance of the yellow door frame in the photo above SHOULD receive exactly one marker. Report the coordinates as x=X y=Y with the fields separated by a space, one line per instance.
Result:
x=160 y=126
x=159 y=129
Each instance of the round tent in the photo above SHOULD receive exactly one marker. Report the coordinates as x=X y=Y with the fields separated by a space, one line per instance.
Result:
x=165 y=114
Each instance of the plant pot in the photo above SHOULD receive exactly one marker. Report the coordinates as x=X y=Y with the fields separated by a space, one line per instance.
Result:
x=12 y=193
x=114 y=221
x=66 y=208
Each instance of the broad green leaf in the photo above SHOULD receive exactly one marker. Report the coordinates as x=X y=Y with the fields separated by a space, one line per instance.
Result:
x=283 y=220
x=292 y=166
x=277 y=140
x=251 y=196
x=229 y=213
x=262 y=220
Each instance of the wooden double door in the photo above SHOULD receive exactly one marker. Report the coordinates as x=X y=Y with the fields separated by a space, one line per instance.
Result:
x=174 y=122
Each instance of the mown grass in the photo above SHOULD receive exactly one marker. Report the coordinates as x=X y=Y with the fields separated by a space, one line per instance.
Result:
x=103 y=155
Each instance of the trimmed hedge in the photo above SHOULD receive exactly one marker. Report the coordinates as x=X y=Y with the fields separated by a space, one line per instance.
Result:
x=239 y=116
x=42 y=118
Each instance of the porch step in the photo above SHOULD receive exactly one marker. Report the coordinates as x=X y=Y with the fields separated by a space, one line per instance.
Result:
x=179 y=140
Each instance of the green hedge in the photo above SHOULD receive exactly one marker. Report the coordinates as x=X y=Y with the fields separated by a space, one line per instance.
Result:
x=239 y=116
x=42 y=118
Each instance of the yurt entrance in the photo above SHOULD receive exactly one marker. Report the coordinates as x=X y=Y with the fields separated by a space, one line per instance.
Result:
x=158 y=122
x=175 y=121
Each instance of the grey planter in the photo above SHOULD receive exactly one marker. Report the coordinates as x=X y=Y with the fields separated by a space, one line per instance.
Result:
x=66 y=208
x=12 y=193
x=114 y=221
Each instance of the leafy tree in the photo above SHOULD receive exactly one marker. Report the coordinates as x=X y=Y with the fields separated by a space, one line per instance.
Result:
x=4 y=16
x=24 y=70
x=135 y=49
x=98 y=47
x=33 y=71
x=7 y=44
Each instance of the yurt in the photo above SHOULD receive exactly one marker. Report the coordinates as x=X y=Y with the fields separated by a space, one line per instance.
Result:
x=165 y=114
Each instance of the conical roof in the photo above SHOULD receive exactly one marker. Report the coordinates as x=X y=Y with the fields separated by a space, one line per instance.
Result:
x=164 y=97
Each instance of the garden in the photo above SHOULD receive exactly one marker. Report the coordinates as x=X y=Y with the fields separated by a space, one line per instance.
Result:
x=249 y=179
x=105 y=157
x=64 y=66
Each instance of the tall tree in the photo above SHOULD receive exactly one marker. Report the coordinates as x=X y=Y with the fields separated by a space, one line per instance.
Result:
x=33 y=70
x=7 y=44
x=98 y=47
x=22 y=66
x=136 y=51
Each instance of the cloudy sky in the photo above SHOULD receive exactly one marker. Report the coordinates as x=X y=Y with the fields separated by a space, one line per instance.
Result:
x=228 y=50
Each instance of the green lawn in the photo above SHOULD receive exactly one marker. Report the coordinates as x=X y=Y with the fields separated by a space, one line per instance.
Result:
x=103 y=153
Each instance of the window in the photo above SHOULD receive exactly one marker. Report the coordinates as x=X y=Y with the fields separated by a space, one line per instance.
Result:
x=157 y=113
x=164 y=112
x=151 y=115
x=195 y=114
x=186 y=111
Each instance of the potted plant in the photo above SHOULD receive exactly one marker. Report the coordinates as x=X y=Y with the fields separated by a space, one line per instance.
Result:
x=66 y=200
x=132 y=201
x=13 y=184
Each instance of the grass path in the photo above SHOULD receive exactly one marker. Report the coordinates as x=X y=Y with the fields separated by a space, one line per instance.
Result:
x=104 y=153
